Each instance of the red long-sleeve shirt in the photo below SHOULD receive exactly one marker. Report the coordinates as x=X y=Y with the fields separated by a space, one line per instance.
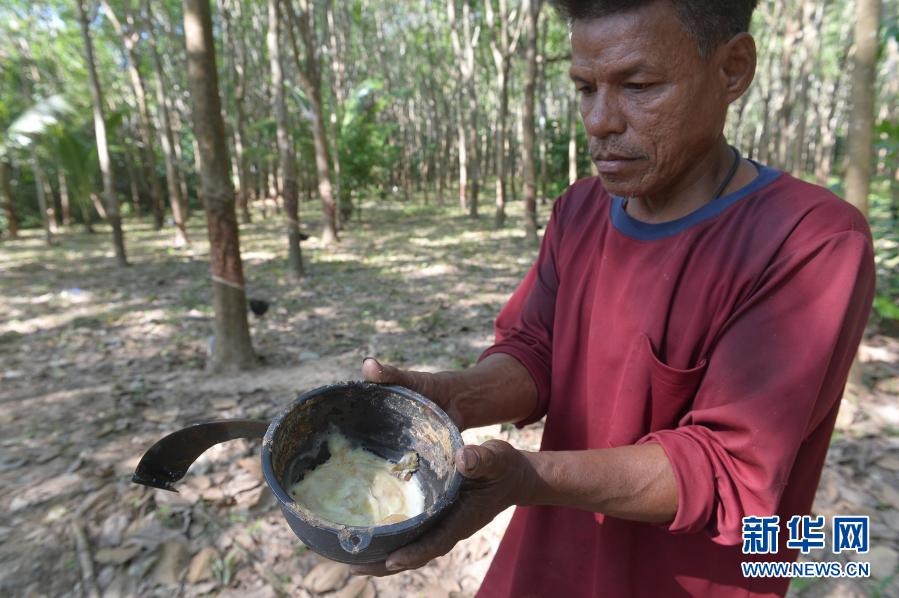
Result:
x=725 y=336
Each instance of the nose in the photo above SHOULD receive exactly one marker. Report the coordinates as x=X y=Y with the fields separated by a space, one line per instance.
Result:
x=602 y=114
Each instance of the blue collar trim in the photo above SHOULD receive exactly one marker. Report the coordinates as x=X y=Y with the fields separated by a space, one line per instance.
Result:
x=646 y=231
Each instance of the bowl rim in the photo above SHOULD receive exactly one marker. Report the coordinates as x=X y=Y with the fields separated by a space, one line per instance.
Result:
x=443 y=501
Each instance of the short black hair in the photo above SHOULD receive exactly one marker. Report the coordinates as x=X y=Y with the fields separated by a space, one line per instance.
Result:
x=709 y=23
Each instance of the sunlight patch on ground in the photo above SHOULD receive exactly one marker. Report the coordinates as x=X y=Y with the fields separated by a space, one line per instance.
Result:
x=415 y=272
x=387 y=326
x=258 y=255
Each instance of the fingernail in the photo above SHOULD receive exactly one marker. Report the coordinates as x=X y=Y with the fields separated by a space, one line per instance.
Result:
x=393 y=566
x=366 y=358
x=470 y=458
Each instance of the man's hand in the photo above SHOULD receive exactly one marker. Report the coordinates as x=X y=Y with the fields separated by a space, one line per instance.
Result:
x=496 y=390
x=496 y=476
x=436 y=387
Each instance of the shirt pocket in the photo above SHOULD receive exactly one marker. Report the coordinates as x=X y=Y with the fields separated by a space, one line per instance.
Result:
x=672 y=390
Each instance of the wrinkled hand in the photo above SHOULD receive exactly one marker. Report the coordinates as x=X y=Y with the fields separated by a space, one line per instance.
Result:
x=496 y=476
x=436 y=387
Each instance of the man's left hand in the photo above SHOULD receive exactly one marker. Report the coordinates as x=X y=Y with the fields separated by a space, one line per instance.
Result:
x=496 y=476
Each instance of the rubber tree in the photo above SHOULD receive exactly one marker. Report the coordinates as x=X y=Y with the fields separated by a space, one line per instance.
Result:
x=286 y=157
x=232 y=348
x=532 y=14
x=111 y=199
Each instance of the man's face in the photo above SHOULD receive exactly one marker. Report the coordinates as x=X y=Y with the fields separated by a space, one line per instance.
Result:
x=652 y=106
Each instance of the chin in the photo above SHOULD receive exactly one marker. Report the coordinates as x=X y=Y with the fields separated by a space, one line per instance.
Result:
x=622 y=187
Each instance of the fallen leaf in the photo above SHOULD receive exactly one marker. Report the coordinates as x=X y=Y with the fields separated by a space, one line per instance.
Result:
x=66 y=484
x=251 y=465
x=116 y=556
x=326 y=577
x=112 y=529
x=201 y=565
x=171 y=564
x=359 y=587
x=884 y=561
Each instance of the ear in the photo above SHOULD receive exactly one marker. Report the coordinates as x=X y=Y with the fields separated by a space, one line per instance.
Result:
x=736 y=65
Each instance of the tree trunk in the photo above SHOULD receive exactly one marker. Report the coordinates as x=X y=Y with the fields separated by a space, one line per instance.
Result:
x=474 y=155
x=262 y=187
x=311 y=81
x=461 y=92
x=502 y=47
x=241 y=162
x=130 y=37
x=41 y=197
x=860 y=153
x=133 y=182
x=167 y=140
x=64 y=199
x=541 y=129
x=530 y=182
x=325 y=188
x=175 y=114
x=285 y=145
x=232 y=348
x=52 y=214
x=336 y=80
x=109 y=193
x=12 y=223
x=894 y=196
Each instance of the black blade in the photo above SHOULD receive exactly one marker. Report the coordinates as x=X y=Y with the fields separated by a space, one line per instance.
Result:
x=168 y=460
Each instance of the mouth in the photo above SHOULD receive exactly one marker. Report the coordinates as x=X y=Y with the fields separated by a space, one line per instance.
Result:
x=612 y=163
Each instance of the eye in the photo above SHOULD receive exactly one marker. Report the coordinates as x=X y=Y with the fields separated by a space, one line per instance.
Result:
x=584 y=90
x=637 y=86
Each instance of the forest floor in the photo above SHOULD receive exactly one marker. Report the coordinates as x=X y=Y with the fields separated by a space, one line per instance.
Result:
x=97 y=363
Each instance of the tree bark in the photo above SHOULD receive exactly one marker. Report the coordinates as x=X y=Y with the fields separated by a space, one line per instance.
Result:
x=474 y=164
x=462 y=125
x=894 y=195
x=12 y=222
x=167 y=139
x=502 y=47
x=109 y=193
x=530 y=182
x=285 y=146
x=309 y=76
x=240 y=156
x=133 y=181
x=130 y=36
x=336 y=80
x=541 y=128
x=861 y=119
x=40 y=189
x=177 y=129
x=232 y=348
x=64 y=199
x=52 y=214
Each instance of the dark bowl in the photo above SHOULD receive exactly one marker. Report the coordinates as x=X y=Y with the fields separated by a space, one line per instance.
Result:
x=386 y=420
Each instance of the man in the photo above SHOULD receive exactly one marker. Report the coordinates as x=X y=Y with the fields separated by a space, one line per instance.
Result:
x=687 y=330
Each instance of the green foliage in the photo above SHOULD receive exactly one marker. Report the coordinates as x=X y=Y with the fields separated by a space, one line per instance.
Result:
x=886 y=307
x=366 y=154
x=883 y=219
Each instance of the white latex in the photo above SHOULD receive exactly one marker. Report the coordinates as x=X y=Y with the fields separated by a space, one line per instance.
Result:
x=356 y=487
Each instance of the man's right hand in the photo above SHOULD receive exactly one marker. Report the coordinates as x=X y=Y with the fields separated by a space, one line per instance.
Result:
x=436 y=387
x=496 y=390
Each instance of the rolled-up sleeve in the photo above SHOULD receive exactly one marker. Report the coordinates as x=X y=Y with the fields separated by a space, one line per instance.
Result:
x=524 y=327
x=775 y=374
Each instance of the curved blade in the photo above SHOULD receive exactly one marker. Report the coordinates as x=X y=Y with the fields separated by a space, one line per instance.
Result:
x=168 y=460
